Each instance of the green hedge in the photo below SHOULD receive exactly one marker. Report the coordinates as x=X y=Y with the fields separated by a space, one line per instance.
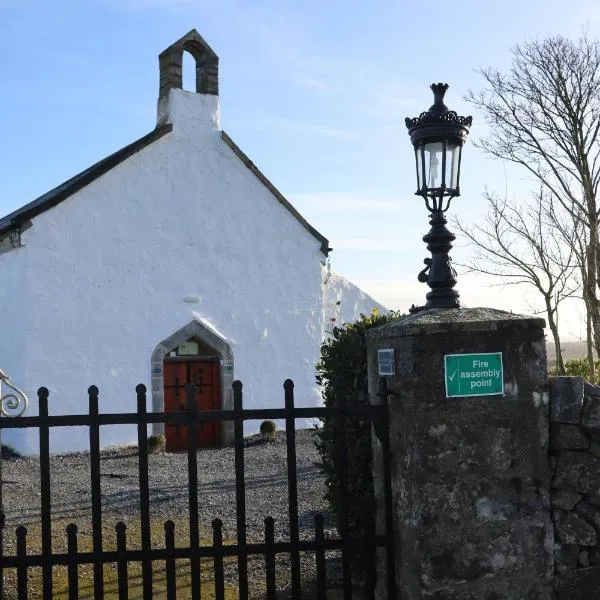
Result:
x=578 y=367
x=342 y=371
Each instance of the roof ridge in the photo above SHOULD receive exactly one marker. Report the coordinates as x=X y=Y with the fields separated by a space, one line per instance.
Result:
x=66 y=189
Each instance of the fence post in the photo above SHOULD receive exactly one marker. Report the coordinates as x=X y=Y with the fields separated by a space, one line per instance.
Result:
x=46 y=510
x=142 y=431
x=94 y=434
x=240 y=488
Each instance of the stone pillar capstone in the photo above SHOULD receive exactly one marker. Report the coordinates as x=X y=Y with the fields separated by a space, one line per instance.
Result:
x=469 y=454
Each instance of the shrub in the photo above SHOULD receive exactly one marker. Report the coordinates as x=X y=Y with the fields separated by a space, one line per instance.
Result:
x=342 y=371
x=268 y=429
x=156 y=443
x=578 y=367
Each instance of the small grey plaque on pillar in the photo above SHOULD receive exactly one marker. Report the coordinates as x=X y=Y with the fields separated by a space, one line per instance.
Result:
x=385 y=361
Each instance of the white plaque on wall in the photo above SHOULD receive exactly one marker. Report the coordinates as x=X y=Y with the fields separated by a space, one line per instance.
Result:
x=188 y=349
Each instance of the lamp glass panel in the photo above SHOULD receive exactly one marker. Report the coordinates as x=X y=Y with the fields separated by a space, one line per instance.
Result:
x=452 y=163
x=424 y=167
x=419 y=163
x=459 y=154
x=433 y=162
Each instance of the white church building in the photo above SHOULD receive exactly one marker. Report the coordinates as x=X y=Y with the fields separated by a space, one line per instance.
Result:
x=173 y=260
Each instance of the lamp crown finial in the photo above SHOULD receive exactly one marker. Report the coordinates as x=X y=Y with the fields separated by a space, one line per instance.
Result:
x=439 y=90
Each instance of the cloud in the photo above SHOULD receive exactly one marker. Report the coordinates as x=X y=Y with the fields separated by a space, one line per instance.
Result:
x=311 y=82
x=393 y=96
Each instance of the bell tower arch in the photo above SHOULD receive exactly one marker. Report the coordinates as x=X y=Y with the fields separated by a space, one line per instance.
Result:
x=207 y=65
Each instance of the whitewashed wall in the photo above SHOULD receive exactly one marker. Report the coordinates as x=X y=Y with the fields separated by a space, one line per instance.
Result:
x=14 y=303
x=102 y=278
x=344 y=302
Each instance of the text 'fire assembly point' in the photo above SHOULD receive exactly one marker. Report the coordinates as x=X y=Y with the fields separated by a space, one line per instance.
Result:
x=473 y=374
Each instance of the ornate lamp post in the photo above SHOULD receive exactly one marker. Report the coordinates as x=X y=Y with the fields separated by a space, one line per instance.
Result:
x=438 y=136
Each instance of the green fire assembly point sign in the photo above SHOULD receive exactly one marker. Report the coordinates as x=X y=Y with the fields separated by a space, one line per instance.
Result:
x=473 y=374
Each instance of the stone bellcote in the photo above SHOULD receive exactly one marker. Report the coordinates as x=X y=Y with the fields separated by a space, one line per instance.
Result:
x=191 y=114
x=207 y=65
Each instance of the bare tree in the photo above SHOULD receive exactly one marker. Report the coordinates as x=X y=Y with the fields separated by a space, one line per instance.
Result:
x=544 y=115
x=519 y=243
x=575 y=234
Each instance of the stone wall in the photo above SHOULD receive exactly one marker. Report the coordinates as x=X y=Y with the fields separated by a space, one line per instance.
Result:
x=470 y=474
x=575 y=492
x=497 y=496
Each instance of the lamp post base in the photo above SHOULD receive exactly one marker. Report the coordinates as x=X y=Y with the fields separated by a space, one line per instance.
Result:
x=442 y=298
x=439 y=274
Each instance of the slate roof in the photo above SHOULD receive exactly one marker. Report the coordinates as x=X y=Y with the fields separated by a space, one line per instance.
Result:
x=61 y=192
x=23 y=215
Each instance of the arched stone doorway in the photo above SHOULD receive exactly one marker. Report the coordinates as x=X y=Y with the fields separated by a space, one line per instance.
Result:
x=195 y=354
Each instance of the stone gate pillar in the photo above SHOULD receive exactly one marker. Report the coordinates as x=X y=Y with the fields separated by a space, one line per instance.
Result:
x=469 y=453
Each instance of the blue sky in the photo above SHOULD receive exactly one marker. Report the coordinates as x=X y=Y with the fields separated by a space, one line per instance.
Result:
x=315 y=92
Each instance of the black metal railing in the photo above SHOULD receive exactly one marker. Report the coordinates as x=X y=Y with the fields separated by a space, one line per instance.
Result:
x=218 y=552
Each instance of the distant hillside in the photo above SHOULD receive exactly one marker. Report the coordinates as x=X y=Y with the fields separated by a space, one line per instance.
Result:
x=570 y=350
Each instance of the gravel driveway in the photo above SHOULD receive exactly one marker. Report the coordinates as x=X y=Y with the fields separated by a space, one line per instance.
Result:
x=265 y=475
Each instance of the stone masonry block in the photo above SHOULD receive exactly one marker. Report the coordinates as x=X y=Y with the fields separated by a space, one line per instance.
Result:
x=593 y=499
x=473 y=560
x=590 y=417
x=590 y=513
x=573 y=529
x=566 y=436
x=580 y=584
x=595 y=556
x=589 y=389
x=564 y=500
x=594 y=435
x=566 y=557
x=584 y=558
x=566 y=399
x=594 y=449
x=577 y=472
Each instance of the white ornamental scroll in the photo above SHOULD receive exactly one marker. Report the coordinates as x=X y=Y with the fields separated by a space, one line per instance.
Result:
x=15 y=402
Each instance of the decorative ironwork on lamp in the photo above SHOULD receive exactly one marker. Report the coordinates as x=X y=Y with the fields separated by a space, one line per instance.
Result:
x=438 y=136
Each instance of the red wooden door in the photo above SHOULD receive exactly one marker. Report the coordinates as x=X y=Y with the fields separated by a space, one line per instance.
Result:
x=204 y=376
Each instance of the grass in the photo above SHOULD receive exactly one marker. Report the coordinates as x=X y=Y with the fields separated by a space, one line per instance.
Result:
x=135 y=589
x=86 y=572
